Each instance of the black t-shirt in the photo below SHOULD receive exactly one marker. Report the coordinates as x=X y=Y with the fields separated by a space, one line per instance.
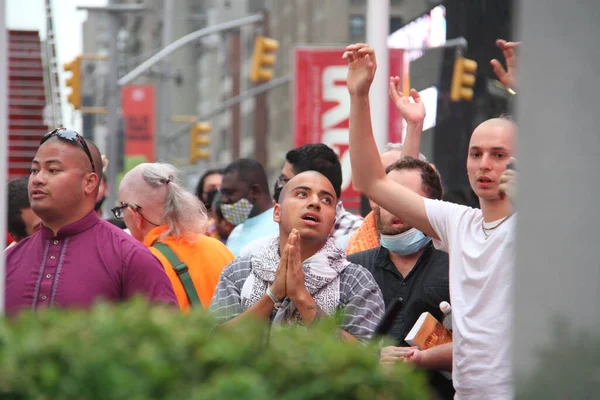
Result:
x=425 y=287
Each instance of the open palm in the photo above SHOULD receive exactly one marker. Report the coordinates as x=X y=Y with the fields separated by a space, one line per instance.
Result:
x=361 y=68
x=412 y=111
x=507 y=76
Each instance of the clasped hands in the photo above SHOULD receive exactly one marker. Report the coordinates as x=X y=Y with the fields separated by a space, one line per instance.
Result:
x=289 y=278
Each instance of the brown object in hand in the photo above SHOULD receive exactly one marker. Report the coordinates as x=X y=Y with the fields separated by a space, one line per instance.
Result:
x=428 y=332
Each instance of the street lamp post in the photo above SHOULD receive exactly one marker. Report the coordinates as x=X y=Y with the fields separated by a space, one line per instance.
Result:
x=113 y=11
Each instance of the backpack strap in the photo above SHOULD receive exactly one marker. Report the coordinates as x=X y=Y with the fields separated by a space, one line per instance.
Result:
x=182 y=272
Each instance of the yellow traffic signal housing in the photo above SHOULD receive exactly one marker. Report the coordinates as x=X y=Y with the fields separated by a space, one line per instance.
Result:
x=198 y=138
x=463 y=79
x=263 y=59
x=74 y=82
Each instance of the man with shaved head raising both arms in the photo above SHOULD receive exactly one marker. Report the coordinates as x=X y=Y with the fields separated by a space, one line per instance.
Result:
x=76 y=258
x=301 y=274
x=480 y=242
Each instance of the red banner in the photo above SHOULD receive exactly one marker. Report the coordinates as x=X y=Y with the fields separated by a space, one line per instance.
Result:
x=137 y=103
x=322 y=106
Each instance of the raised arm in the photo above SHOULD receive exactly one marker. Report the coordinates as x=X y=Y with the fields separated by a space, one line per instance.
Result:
x=368 y=173
x=414 y=115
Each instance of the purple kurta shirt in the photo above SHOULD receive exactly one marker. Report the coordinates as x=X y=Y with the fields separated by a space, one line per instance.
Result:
x=86 y=261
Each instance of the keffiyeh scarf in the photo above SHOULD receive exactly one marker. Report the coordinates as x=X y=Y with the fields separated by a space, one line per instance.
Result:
x=322 y=279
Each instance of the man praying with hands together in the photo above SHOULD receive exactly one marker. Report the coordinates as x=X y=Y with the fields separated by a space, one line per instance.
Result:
x=301 y=274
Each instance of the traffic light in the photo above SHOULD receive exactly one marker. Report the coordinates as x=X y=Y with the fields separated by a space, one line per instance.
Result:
x=198 y=138
x=263 y=58
x=74 y=82
x=463 y=79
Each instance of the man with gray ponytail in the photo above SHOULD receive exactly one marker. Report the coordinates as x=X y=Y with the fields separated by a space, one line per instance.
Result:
x=171 y=221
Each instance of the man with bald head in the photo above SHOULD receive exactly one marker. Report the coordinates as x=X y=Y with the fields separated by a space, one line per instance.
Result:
x=480 y=242
x=171 y=221
x=301 y=274
x=76 y=259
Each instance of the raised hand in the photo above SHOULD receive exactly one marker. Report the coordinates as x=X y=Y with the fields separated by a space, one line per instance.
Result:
x=508 y=77
x=412 y=112
x=361 y=68
x=295 y=273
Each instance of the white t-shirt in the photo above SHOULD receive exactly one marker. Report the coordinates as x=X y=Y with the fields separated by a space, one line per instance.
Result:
x=481 y=283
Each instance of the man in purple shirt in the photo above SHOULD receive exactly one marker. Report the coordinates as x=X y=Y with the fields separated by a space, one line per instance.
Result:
x=76 y=258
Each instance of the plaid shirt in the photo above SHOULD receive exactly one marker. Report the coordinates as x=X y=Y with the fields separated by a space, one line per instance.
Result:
x=346 y=223
x=361 y=300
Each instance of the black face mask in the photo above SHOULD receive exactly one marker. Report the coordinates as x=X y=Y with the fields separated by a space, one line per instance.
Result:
x=99 y=203
x=210 y=196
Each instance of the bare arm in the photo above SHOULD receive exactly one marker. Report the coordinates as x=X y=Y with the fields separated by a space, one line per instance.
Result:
x=414 y=115
x=308 y=309
x=367 y=171
x=412 y=141
x=435 y=358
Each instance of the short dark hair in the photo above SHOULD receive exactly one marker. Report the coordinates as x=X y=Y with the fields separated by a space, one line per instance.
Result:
x=200 y=187
x=18 y=200
x=277 y=190
x=317 y=157
x=432 y=184
x=250 y=171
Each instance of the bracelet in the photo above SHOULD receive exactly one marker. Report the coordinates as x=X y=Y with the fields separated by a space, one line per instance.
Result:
x=276 y=302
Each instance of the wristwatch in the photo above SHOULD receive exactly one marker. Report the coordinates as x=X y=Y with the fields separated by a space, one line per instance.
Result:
x=277 y=302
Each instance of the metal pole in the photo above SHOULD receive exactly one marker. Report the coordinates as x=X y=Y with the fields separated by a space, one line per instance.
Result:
x=113 y=112
x=261 y=113
x=146 y=65
x=378 y=26
x=3 y=145
x=282 y=80
x=113 y=12
x=235 y=91
x=164 y=109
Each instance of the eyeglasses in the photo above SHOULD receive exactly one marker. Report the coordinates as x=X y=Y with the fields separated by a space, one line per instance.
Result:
x=282 y=180
x=73 y=137
x=118 y=211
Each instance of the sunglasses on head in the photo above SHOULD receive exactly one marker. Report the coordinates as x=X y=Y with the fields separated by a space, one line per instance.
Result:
x=73 y=137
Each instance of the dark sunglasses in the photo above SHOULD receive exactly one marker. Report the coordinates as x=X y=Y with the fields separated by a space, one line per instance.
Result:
x=73 y=137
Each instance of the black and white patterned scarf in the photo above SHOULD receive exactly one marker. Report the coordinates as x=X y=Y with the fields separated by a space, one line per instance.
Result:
x=322 y=279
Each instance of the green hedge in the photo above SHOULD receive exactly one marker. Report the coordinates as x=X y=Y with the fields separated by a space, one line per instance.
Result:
x=133 y=352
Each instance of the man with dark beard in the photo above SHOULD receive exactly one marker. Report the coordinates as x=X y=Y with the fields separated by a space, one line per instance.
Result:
x=406 y=266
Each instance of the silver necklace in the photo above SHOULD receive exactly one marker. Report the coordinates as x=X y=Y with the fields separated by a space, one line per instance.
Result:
x=486 y=230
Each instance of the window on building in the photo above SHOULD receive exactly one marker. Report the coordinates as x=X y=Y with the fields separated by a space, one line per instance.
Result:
x=357 y=28
x=396 y=23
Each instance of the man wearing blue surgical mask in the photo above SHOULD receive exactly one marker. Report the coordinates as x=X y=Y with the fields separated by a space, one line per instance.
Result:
x=246 y=203
x=406 y=266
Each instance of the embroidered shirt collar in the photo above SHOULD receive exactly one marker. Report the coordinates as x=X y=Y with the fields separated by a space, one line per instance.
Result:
x=73 y=228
